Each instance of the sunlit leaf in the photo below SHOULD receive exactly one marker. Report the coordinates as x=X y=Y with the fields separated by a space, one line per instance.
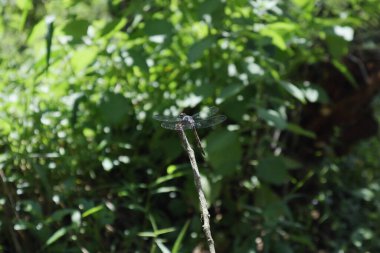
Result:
x=147 y=234
x=92 y=211
x=315 y=93
x=166 y=178
x=38 y=32
x=294 y=91
x=279 y=32
x=164 y=231
x=83 y=57
x=272 y=117
x=165 y=189
x=107 y=164
x=49 y=38
x=112 y=27
x=345 y=32
x=24 y=4
x=56 y=236
x=162 y=247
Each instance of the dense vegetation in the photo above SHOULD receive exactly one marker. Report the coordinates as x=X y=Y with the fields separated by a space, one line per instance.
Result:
x=85 y=168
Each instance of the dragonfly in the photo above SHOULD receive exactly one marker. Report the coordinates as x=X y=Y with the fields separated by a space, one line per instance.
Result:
x=203 y=119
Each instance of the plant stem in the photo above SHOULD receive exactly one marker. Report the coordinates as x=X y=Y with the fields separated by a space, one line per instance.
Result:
x=202 y=199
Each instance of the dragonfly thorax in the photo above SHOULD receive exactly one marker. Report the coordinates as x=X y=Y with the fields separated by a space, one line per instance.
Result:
x=187 y=118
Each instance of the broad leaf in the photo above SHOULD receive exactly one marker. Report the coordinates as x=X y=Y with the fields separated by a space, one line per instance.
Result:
x=272 y=170
x=226 y=143
x=197 y=49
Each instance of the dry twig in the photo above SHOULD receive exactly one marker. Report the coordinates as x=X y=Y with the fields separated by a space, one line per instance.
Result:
x=202 y=200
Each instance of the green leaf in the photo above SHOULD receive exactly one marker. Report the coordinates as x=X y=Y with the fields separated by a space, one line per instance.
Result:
x=164 y=231
x=279 y=32
x=165 y=189
x=5 y=126
x=171 y=169
x=299 y=130
x=24 y=4
x=156 y=233
x=112 y=27
x=224 y=151
x=277 y=39
x=158 y=27
x=345 y=71
x=230 y=90
x=209 y=6
x=147 y=234
x=83 y=57
x=166 y=178
x=139 y=59
x=271 y=205
x=272 y=117
x=181 y=236
x=93 y=210
x=294 y=91
x=77 y=29
x=291 y=163
x=115 y=108
x=197 y=49
x=272 y=170
x=338 y=46
x=315 y=93
x=58 y=234
x=162 y=247
x=49 y=38
x=265 y=197
x=38 y=33
x=302 y=3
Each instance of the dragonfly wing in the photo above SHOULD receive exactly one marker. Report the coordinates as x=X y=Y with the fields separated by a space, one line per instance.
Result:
x=209 y=122
x=166 y=118
x=206 y=113
x=176 y=125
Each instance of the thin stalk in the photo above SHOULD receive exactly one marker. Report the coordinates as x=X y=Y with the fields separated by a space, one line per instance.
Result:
x=202 y=199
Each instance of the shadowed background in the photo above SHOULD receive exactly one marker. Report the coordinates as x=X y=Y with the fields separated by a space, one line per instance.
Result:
x=85 y=168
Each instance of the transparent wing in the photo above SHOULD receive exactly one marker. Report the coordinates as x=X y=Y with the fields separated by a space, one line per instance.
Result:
x=206 y=113
x=176 y=125
x=209 y=122
x=167 y=118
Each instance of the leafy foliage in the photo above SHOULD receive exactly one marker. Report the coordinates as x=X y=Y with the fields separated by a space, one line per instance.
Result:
x=84 y=168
